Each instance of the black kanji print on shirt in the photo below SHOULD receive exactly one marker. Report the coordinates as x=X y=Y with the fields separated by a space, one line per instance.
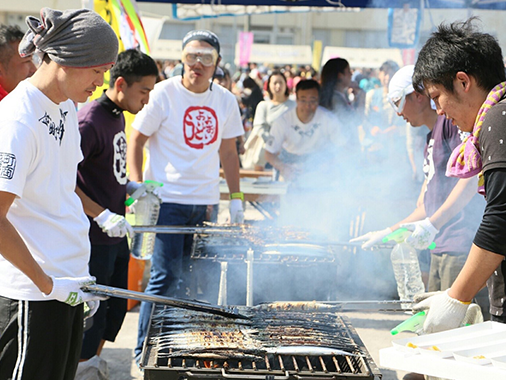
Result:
x=54 y=129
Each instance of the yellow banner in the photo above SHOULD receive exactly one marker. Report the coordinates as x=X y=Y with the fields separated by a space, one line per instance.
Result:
x=317 y=54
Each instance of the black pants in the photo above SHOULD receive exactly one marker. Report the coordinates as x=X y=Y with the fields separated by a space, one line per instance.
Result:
x=39 y=339
x=109 y=265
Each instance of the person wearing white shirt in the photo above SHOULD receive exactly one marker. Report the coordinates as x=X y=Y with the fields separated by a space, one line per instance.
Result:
x=189 y=126
x=44 y=244
x=301 y=132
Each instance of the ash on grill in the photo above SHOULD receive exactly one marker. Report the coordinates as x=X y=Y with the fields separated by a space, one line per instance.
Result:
x=276 y=341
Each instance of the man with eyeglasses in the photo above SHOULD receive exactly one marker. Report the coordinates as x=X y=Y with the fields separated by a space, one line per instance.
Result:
x=191 y=125
x=448 y=209
x=301 y=132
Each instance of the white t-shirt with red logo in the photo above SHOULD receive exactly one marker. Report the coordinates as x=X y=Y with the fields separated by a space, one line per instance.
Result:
x=185 y=131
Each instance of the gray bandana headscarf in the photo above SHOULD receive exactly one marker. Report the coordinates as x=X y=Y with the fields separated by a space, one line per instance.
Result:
x=73 y=38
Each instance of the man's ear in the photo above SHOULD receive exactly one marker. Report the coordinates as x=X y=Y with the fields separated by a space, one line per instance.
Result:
x=463 y=81
x=419 y=97
x=120 y=84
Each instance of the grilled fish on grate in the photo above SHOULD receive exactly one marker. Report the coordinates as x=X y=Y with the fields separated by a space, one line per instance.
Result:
x=288 y=332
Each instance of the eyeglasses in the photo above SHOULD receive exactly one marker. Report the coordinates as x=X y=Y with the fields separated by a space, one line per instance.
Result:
x=206 y=56
x=312 y=102
x=397 y=99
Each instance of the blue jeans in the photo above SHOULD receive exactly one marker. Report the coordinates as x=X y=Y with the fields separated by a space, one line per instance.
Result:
x=170 y=261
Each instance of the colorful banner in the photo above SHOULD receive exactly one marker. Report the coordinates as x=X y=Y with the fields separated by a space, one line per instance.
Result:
x=317 y=54
x=123 y=17
x=245 y=44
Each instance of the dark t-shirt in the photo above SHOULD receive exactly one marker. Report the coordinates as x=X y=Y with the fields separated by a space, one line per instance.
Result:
x=102 y=173
x=455 y=236
x=490 y=235
x=492 y=231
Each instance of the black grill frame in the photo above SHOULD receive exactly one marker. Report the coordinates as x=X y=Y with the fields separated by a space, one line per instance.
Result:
x=273 y=367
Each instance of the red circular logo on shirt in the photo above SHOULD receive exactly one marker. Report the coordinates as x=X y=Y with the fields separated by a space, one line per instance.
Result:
x=200 y=127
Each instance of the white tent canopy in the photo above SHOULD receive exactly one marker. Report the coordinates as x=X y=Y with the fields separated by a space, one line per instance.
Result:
x=358 y=57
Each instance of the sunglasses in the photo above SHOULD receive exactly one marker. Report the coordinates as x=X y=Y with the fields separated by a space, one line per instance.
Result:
x=397 y=99
x=206 y=56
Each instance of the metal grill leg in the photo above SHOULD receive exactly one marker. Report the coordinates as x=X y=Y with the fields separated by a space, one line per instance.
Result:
x=222 y=292
x=249 y=278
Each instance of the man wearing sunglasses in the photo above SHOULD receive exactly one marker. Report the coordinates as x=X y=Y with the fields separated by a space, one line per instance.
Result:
x=191 y=125
x=448 y=211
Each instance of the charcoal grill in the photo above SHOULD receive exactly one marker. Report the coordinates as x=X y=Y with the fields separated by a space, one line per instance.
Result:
x=239 y=349
x=278 y=246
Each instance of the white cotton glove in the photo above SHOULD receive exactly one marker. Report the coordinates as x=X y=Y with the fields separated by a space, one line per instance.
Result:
x=68 y=290
x=423 y=233
x=443 y=312
x=371 y=238
x=418 y=298
x=236 y=211
x=90 y=308
x=113 y=225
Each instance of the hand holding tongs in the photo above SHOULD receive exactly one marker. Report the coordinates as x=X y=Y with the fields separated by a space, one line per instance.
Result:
x=175 y=302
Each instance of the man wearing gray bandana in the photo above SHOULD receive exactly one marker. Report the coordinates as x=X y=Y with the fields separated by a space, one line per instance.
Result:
x=44 y=245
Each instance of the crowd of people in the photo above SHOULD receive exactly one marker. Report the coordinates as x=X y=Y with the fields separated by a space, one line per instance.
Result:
x=64 y=178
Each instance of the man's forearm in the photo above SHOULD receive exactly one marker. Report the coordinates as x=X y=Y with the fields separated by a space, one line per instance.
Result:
x=135 y=156
x=230 y=164
x=274 y=160
x=91 y=208
x=479 y=266
x=460 y=196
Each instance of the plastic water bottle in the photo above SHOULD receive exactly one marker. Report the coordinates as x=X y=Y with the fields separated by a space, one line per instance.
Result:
x=147 y=209
x=407 y=272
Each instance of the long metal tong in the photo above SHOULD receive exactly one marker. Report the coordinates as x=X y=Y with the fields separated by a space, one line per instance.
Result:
x=235 y=229
x=339 y=306
x=189 y=230
x=175 y=302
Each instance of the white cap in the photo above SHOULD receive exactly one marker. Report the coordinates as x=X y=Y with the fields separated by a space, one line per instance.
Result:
x=401 y=83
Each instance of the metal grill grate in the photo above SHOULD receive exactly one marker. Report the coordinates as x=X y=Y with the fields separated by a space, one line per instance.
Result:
x=168 y=363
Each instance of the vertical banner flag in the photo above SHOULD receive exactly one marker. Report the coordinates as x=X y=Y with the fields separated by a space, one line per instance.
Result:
x=404 y=26
x=245 y=46
x=317 y=54
x=123 y=17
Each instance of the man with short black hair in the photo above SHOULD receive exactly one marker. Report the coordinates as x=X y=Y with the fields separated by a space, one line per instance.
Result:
x=301 y=132
x=449 y=209
x=462 y=70
x=13 y=67
x=44 y=244
x=191 y=125
x=102 y=185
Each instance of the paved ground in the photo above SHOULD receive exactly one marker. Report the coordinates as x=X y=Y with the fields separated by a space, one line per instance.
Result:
x=372 y=327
